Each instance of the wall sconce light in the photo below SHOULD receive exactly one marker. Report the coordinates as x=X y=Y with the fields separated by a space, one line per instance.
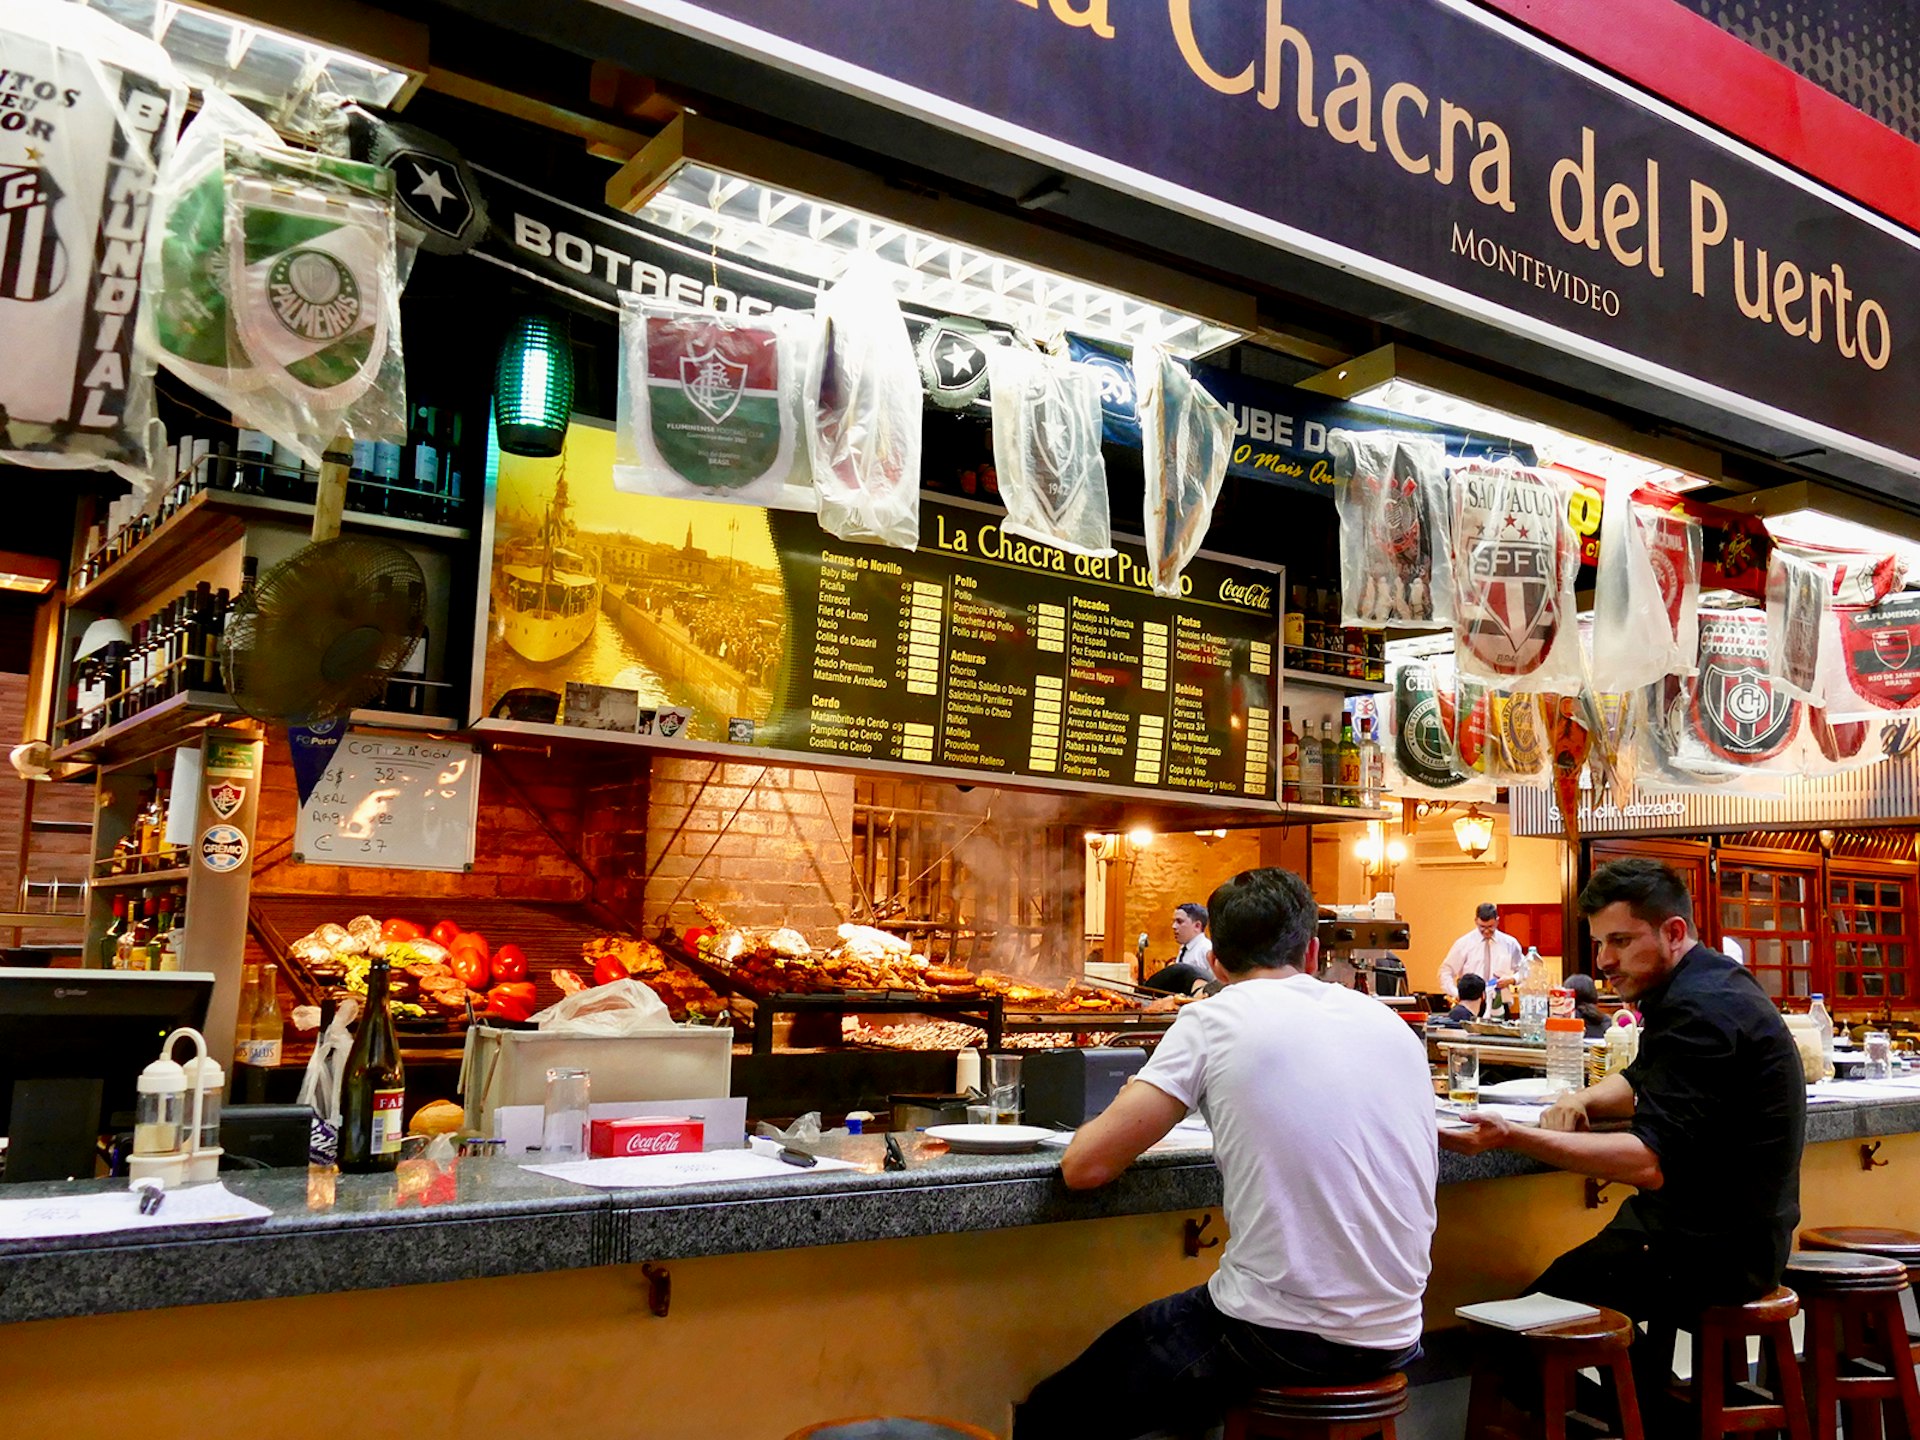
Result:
x=1139 y=838
x=1378 y=853
x=1209 y=837
x=1474 y=831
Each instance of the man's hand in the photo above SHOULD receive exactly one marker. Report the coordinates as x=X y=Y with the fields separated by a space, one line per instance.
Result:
x=1483 y=1133
x=1568 y=1112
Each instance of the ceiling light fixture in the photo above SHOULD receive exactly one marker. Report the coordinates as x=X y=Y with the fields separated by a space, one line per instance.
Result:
x=714 y=185
x=28 y=574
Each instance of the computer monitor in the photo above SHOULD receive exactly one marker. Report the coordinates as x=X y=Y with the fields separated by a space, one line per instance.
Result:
x=72 y=1046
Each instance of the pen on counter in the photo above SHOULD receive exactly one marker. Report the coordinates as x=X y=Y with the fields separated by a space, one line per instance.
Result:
x=152 y=1196
x=797 y=1157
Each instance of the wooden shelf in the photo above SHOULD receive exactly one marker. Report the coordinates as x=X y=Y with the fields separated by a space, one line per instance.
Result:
x=152 y=877
x=1314 y=680
x=152 y=729
x=400 y=720
x=1336 y=812
x=209 y=523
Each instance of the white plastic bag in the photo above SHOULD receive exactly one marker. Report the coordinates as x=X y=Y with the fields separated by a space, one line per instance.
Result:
x=626 y=1007
x=1391 y=494
x=1514 y=561
x=1797 y=624
x=710 y=405
x=1646 y=592
x=92 y=108
x=1046 y=451
x=1186 y=441
x=320 y=1086
x=864 y=409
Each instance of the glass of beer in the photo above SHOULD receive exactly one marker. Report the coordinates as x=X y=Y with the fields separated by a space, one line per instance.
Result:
x=1463 y=1076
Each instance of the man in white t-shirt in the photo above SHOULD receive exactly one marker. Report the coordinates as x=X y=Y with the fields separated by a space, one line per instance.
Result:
x=1486 y=951
x=1323 y=1130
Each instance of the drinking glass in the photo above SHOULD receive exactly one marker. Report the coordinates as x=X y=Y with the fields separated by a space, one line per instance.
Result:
x=1463 y=1076
x=563 y=1136
x=1003 y=1088
x=1879 y=1056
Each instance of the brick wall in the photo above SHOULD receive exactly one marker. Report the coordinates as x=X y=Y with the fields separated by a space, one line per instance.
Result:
x=1177 y=867
x=783 y=860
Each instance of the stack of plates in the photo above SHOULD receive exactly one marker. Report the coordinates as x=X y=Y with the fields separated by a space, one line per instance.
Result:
x=988 y=1139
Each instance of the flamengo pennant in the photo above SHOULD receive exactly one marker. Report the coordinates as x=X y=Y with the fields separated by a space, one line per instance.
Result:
x=313 y=747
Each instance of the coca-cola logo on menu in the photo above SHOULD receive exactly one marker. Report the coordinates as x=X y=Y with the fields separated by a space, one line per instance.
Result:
x=1253 y=596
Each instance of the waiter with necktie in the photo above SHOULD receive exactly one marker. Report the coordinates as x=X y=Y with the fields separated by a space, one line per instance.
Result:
x=1486 y=951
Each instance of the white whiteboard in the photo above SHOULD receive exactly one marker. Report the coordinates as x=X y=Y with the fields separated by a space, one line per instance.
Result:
x=394 y=803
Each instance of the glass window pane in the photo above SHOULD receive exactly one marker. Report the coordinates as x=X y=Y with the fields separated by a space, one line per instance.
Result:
x=1733 y=915
x=1792 y=887
x=1870 y=955
x=1897 y=984
x=1842 y=921
x=1760 y=883
x=1769 y=982
x=1839 y=891
x=1892 y=922
x=1849 y=982
x=1769 y=953
x=1802 y=982
x=1793 y=917
x=1890 y=895
x=1800 y=952
x=1863 y=892
x=1874 y=984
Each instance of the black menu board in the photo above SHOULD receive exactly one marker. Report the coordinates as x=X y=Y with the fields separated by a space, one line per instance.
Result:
x=689 y=622
x=983 y=651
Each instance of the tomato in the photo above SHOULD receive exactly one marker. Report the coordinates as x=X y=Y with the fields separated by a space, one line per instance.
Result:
x=518 y=989
x=471 y=940
x=508 y=1007
x=471 y=968
x=445 y=932
x=509 y=964
x=401 y=930
x=609 y=968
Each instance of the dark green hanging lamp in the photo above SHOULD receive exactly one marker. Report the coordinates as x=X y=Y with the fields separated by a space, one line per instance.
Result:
x=533 y=387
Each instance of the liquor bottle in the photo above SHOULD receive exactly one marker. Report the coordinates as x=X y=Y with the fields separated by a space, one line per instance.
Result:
x=1376 y=656
x=134 y=953
x=373 y=1093
x=1293 y=631
x=1311 y=775
x=256 y=460
x=1314 y=632
x=116 y=682
x=1349 y=764
x=135 y=685
x=451 y=484
x=422 y=494
x=1355 y=641
x=268 y=1027
x=243 y=1017
x=219 y=473
x=103 y=957
x=360 y=477
x=1373 y=768
x=165 y=957
x=1289 y=758
x=386 y=471
x=1330 y=792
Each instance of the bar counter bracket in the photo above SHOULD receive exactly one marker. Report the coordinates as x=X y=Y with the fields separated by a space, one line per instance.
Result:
x=1191 y=1230
x=1869 y=1156
x=1596 y=1191
x=659 y=1288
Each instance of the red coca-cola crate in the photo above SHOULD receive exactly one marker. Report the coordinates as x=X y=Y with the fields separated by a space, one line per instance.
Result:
x=647 y=1135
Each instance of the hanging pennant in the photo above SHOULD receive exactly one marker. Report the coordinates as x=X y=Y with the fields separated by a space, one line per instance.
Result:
x=1391 y=494
x=710 y=405
x=1046 y=451
x=864 y=409
x=313 y=747
x=1424 y=746
x=1646 y=592
x=1514 y=561
x=1186 y=440
x=1734 y=710
x=1797 y=624
x=1879 y=654
x=439 y=199
x=91 y=109
x=1570 y=741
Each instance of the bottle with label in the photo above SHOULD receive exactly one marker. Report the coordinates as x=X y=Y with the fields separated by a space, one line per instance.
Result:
x=1330 y=792
x=452 y=485
x=1354 y=641
x=132 y=948
x=1535 y=998
x=386 y=474
x=106 y=955
x=243 y=1018
x=1289 y=758
x=269 y=1027
x=1823 y=1022
x=421 y=496
x=1313 y=633
x=164 y=952
x=1311 y=774
x=1376 y=656
x=255 y=461
x=1293 y=633
x=360 y=476
x=373 y=1095
x=1349 y=764
x=1373 y=769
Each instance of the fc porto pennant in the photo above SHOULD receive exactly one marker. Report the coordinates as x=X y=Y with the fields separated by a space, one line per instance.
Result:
x=313 y=747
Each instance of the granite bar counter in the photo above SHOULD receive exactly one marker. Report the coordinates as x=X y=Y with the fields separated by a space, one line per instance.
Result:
x=332 y=1234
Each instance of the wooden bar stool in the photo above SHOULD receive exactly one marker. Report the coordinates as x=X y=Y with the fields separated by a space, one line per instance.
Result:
x=1561 y=1352
x=1321 y=1412
x=1856 y=1342
x=1901 y=1245
x=893 y=1427
x=1720 y=1365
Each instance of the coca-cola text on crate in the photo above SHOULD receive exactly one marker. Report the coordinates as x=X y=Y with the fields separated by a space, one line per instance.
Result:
x=647 y=1135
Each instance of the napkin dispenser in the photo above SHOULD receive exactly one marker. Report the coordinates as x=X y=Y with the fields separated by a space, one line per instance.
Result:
x=1071 y=1086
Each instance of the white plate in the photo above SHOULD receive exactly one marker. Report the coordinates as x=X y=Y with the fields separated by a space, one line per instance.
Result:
x=1520 y=1092
x=988 y=1139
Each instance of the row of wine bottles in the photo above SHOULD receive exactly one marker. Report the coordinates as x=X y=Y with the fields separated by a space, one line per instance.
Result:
x=175 y=649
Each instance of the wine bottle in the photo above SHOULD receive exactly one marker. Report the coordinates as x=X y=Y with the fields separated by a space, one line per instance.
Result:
x=373 y=1094
x=110 y=940
x=422 y=496
x=256 y=459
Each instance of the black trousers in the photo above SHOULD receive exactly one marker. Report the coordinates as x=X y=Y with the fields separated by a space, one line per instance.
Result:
x=1177 y=1364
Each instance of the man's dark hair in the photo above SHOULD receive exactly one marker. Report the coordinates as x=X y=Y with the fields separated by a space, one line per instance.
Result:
x=1472 y=987
x=1651 y=889
x=1194 y=911
x=1486 y=910
x=1262 y=919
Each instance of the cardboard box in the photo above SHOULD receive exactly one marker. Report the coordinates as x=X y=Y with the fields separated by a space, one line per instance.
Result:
x=509 y=1067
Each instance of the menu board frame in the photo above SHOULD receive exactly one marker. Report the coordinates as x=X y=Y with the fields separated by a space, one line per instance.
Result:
x=681 y=742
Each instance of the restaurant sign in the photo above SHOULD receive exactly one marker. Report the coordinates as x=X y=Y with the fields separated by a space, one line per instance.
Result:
x=1432 y=148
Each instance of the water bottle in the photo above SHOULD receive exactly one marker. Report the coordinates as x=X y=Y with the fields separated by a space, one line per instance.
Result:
x=1535 y=997
x=1823 y=1022
x=1566 y=1054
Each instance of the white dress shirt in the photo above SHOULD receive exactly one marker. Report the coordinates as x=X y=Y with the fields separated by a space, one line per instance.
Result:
x=1197 y=951
x=1488 y=956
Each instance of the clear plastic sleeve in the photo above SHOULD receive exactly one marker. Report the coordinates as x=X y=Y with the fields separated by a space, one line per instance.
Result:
x=1514 y=561
x=1423 y=747
x=1870 y=659
x=864 y=404
x=1732 y=719
x=710 y=405
x=1187 y=440
x=1646 y=592
x=74 y=198
x=1395 y=567
x=1797 y=625
x=1046 y=450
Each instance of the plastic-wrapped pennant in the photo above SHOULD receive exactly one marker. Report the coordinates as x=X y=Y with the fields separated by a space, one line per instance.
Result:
x=313 y=747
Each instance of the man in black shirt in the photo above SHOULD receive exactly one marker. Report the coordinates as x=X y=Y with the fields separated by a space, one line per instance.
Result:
x=1715 y=1112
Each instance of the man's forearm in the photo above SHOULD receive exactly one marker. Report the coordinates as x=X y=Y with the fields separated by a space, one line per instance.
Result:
x=1610 y=1099
x=1619 y=1157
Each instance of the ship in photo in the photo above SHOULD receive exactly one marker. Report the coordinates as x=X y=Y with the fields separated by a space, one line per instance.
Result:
x=548 y=590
